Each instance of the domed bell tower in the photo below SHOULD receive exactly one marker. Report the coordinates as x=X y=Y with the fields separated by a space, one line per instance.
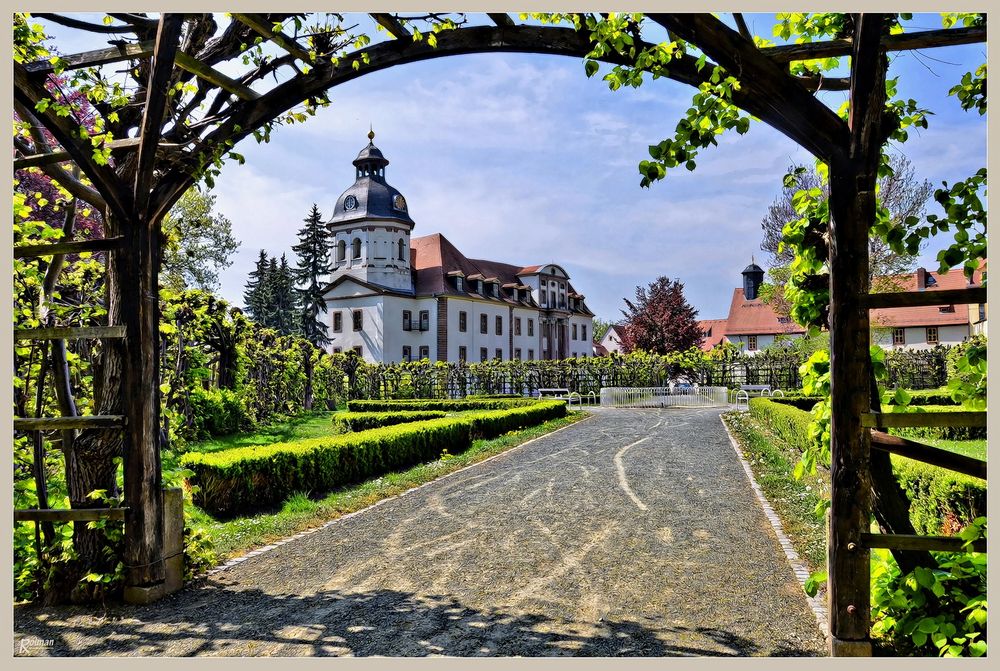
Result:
x=753 y=277
x=371 y=226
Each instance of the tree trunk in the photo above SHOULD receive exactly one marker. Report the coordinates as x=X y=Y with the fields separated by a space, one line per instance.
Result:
x=307 y=363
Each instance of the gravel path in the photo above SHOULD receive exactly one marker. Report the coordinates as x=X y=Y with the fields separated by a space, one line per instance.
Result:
x=632 y=533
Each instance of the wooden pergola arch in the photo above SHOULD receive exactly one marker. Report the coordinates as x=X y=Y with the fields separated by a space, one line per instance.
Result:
x=153 y=168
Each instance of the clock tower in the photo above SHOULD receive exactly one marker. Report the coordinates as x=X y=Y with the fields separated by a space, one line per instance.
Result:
x=371 y=227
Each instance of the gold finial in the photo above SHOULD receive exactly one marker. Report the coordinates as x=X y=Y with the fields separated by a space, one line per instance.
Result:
x=371 y=133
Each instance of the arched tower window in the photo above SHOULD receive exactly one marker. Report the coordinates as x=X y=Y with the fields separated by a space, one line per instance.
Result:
x=341 y=251
x=401 y=249
x=356 y=248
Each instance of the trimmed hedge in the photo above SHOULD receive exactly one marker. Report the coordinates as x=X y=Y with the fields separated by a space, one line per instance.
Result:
x=493 y=423
x=801 y=402
x=362 y=421
x=785 y=420
x=941 y=501
x=246 y=478
x=446 y=405
x=241 y=479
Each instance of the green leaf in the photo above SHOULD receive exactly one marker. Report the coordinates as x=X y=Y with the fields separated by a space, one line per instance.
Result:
x=591 y=68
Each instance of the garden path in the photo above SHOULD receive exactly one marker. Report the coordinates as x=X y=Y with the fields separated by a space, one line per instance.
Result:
x=634 y=532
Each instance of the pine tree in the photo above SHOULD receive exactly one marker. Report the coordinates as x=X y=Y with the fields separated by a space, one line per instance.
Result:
x=313 y=263
x=285 y=309
x=254 y=297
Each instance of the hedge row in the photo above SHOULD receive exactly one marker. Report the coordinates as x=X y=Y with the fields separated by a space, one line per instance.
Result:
x=242 y=479
x=345 y=422
x=941 y=500
x=446 y=405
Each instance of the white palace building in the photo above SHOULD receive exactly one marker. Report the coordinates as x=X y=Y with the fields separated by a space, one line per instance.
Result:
x=395 y=298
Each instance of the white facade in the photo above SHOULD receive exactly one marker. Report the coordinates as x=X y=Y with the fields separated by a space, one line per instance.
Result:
x=612 y=341
x=753 y=344
x=920 y=337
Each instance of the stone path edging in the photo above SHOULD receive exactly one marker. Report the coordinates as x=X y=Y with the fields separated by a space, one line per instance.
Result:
x=236 y=561
x=801 y=571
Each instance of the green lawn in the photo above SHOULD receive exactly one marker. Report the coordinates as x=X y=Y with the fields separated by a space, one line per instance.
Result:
x=970 y=448
x=232 y=537
x=310 y=425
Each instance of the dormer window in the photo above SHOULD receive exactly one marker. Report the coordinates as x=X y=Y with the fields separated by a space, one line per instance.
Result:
x=494 y=290
x=479 y=287
x=946 y=308
x=459 y=284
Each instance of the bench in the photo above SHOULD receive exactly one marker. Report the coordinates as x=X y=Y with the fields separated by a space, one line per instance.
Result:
x=555 y=392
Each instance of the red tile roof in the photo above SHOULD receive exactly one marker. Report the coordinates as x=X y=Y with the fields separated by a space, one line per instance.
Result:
x=716 y=332
x=754 y=317
x=926 y=316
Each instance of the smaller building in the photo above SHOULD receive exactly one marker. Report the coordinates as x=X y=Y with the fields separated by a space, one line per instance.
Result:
x=713 y=333
x=610 y=342
x=930 y=326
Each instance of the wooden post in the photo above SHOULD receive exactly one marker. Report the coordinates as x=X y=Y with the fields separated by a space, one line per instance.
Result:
x=852 y=210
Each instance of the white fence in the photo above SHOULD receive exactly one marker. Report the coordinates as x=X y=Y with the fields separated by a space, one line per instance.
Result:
x=663 y=397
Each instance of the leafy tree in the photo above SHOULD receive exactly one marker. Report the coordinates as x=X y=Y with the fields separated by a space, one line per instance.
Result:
x=199 y=243
x=660 y=320
x=600 y=328
x=313 y=264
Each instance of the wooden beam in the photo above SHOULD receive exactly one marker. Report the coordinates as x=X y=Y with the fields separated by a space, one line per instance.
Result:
x=260 y=27
x=61 y=156
x=86 y=59
x=927 y=454
x=789 y=106
x=908 y=542
x=741 y=24
x=895 y=420
x=392 y=25
x=912 y=299
x=69 y=514
x=28 y=92
x=62 y=423
x=168 y=34
x=927 y=39
x=69 y=247
x=213 y=76
x=502 y=19
x=70 y=333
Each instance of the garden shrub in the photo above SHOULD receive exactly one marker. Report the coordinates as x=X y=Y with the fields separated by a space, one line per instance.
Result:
x=446 y=405
x=238 y=480
x=493 y=423
x=801 y=402
x=216 y=412
x=942 y=501
x=362 y=421
x=786 y=421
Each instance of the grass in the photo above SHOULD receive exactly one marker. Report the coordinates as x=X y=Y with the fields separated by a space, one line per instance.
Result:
x=232 y=537
x=309 y=425
x=970 y=448
x=772 y=461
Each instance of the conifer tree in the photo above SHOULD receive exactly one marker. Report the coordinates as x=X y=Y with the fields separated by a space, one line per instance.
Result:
x=312 y=265
x=254 y=297
x=285 y=309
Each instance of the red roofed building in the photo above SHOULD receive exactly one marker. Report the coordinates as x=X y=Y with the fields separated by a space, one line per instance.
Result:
x=713 y=333
x=926 y=327
x=392 y=298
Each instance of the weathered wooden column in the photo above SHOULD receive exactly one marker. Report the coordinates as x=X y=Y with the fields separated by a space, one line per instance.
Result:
x=852 y=211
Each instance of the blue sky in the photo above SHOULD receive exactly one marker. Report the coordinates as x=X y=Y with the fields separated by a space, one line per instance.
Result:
x=522 y=159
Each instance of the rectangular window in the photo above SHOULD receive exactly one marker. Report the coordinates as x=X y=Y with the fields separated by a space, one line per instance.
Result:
x=531 y=327
x=407 y=320
x=583 y=332
x=483 y=354
x=751 y=343
x=517 y=326
x=531 y=355
x=517 y=353
x=574 y=332
x=499 y=325
x=459 y=284
x=337 y=350
x=357 y=350
x=407 y=353
x=425 y=320
x=932 y=335
x=499 y=354
x=463 y=321
x=425 y=352
x=541 y=297
x=462 y=353
x=982 y=312
x=338 y=322
x=899 y=336
x=483 y=324
x=358 y=318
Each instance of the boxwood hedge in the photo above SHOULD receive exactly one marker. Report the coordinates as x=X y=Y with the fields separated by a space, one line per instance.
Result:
x=247 y=478
x=362 y=421
x=446 y=405
x=941 y=500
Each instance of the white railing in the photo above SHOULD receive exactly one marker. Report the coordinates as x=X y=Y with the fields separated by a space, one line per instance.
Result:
x=663 y=397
